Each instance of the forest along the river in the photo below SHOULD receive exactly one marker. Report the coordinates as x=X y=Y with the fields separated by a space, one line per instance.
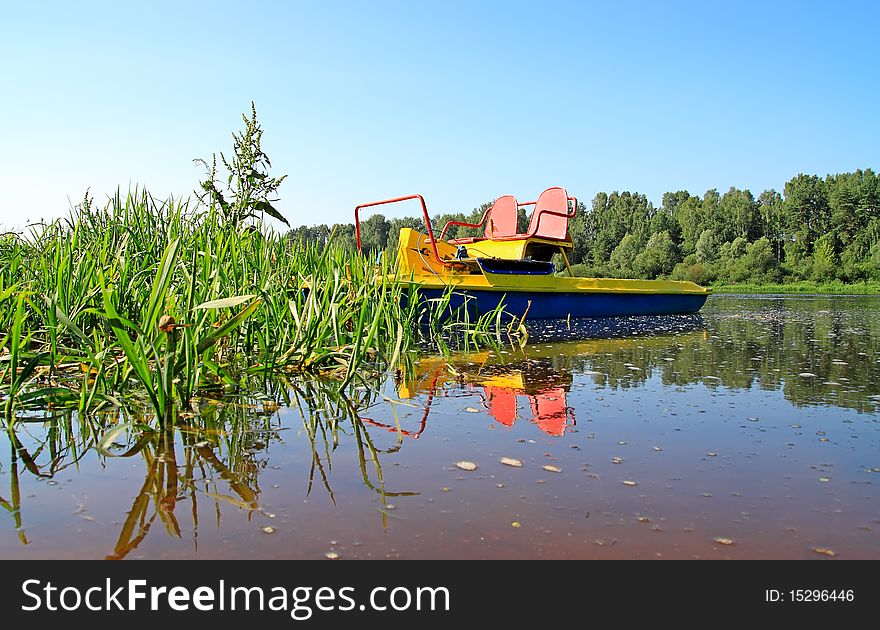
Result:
x=749 y=431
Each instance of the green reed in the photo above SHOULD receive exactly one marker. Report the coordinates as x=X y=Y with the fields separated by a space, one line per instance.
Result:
x=146 y=303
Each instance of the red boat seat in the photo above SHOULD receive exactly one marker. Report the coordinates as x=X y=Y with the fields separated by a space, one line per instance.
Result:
x=549 y=218
x=500 y=221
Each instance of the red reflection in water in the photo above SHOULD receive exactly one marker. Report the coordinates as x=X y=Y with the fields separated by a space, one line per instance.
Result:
x=500 y=389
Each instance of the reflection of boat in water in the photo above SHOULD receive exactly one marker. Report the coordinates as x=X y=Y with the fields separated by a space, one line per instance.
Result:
x=532 y=382
x=516 y=270
x=534 y=387
x=547 y=401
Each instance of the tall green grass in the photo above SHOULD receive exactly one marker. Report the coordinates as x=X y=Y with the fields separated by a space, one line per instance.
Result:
x=145 y=302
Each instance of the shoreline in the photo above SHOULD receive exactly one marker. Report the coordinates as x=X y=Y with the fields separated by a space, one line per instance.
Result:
x=825 y=288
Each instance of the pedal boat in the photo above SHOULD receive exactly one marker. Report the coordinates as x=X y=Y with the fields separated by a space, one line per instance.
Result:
x=516 y=270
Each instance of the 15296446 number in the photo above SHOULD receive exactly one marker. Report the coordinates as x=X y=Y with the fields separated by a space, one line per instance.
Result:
x=823 y=595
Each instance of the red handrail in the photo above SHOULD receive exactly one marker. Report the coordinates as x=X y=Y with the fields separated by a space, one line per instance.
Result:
x=463 y=224
x=569 y=215
x=357 y=222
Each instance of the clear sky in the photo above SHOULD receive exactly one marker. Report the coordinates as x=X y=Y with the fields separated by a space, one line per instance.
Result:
x=460 y=101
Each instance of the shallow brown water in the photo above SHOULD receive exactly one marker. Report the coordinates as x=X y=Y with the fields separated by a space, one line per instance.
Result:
x=757 y=424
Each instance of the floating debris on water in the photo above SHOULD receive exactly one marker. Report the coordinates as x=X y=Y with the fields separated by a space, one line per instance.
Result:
x=616 y=460
x=629 y=482
x=825 y=551
x=510 y=461
x=472 y=410
x=551 y=468
x=807 y=375
x=723 y=541
x=516 y=524
x=469 y=466
x=268 y=529
x=331 y=555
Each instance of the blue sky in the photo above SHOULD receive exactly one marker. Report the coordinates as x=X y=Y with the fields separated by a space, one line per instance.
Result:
x=459 y=101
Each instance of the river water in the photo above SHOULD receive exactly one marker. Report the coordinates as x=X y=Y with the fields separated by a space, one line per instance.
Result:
x=750 y=431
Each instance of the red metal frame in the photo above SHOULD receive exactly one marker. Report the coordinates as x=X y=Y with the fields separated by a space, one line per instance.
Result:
x=463 y=224
x=357 y=222
x=569 y=215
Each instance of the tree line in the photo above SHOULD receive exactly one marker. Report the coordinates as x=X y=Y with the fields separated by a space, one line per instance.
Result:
x=818 y=229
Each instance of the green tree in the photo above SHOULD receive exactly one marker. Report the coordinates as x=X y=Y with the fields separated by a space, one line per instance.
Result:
x=659 y=256
x=707 y=246
x=623 y=256
x=738 y=213
x=394 y=226
x=729 y=254
x=580 y=227
x=693 y=222
x=806 y=210
x=757 y=264
x=672 y=201
x=374 y=233
x=714 y=217
x=824 y=258
x=343 y=235
x=772 y=217
x=664 y=221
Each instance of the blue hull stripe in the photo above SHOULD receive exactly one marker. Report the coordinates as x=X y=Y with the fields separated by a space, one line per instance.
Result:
x=563 y=305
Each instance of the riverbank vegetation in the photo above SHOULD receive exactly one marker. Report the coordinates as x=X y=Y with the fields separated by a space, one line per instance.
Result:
x=806 y=287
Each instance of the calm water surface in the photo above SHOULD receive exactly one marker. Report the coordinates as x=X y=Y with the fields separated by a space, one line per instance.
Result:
x=752 y=431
